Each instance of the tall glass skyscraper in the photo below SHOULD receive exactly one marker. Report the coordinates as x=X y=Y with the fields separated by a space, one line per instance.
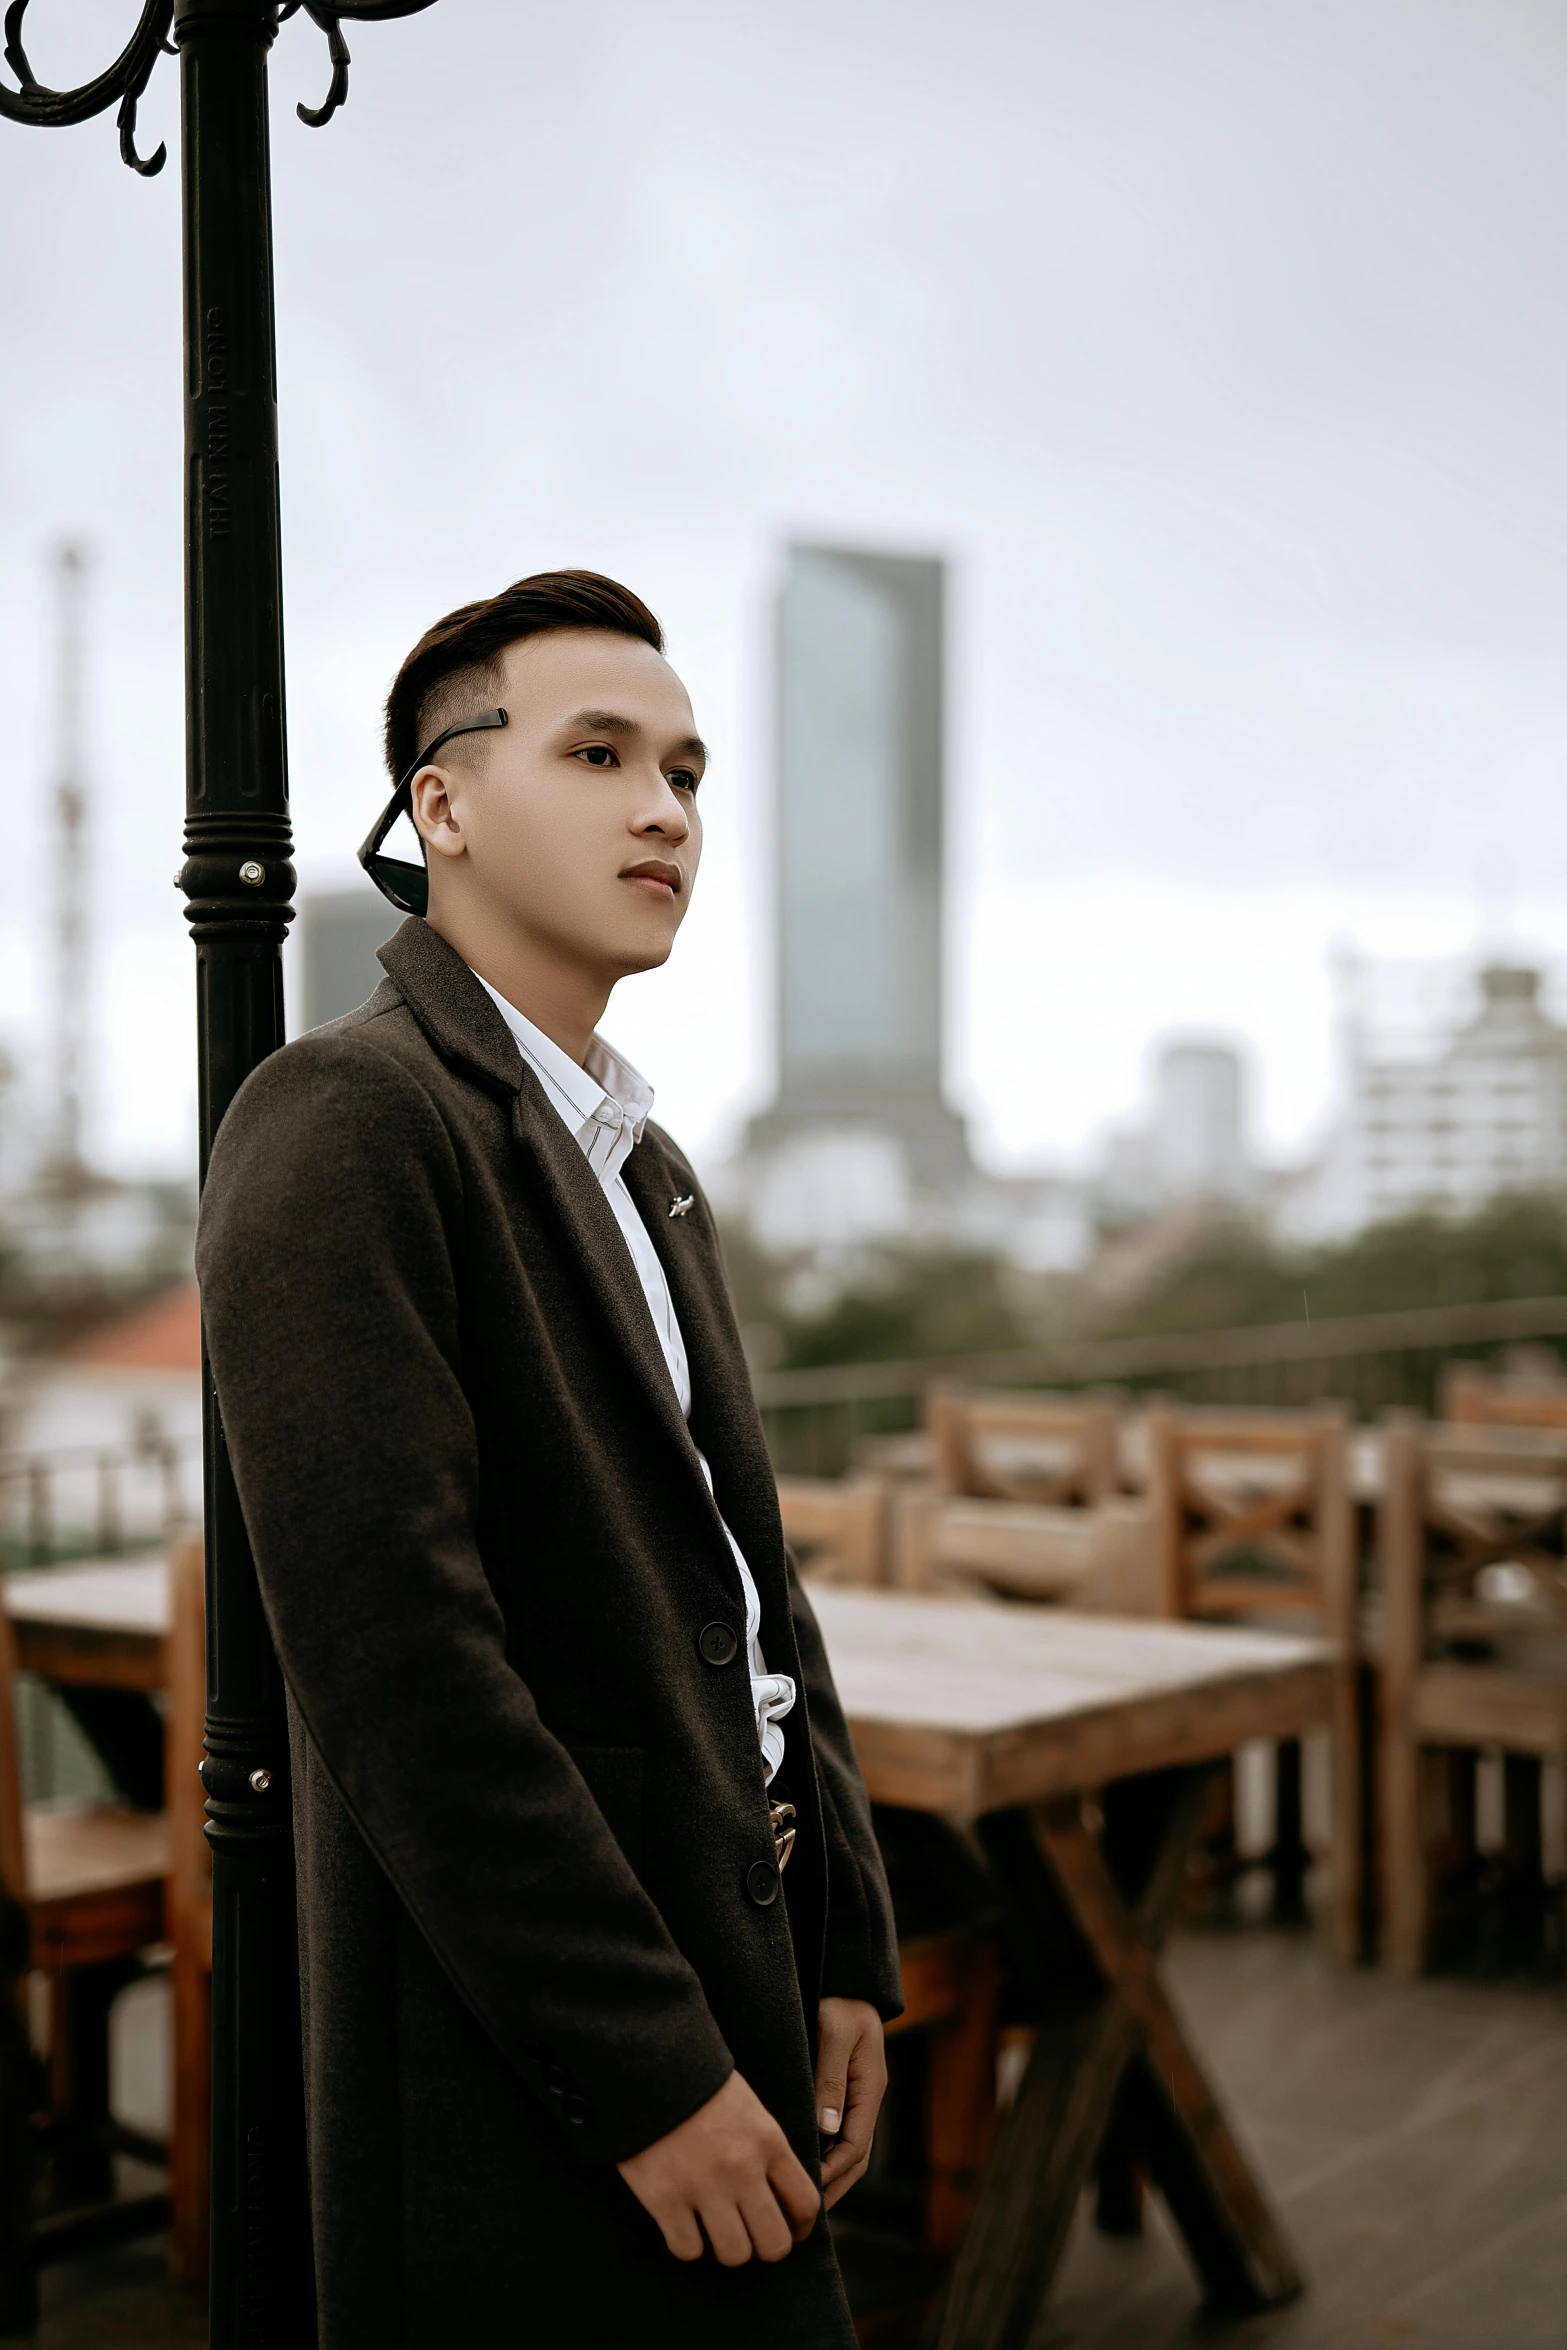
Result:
x=859 y=857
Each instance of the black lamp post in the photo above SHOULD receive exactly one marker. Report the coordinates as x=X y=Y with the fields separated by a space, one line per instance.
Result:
x=238 y=883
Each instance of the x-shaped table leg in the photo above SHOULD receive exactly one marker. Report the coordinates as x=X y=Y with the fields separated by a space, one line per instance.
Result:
x=1087 y=1925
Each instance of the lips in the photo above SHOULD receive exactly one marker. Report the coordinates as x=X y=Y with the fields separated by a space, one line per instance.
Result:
x=654 y=869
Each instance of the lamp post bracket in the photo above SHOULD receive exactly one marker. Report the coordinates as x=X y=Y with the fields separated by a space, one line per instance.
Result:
x=33 y=101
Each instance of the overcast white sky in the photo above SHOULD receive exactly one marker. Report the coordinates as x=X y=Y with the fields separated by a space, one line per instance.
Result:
x=1220 y=344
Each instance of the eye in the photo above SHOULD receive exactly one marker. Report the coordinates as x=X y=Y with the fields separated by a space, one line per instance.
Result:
x=597 y=755
x=683 y=779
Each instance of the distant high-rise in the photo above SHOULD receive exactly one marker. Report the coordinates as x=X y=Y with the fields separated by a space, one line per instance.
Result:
x=1198 y=1139
x=339 y=933
x=859 y=860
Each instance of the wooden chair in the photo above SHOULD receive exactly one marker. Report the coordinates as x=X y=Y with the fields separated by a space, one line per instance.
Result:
x=1475 y=1397
x=1471 y=1535
x=1055 y=1450
x=82 y=1891
x=1254 y=1523
x=836 y=1527
x=1099 y=1560
x=190 y=1920
x=1025 y=1502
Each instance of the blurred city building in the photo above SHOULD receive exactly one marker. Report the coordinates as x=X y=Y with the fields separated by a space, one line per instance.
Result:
x=339 y=932
x=1191 y=1147
x=860 y=1142
x=1454 y=1092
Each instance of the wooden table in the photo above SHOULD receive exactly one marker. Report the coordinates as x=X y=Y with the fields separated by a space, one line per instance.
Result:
x=1004 y=1719
x=97 y=1631
x=100 y=1622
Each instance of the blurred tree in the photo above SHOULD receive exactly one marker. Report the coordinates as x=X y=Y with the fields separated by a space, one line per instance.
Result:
x=1514 y=1247
x=906 y=1302
x=891 y=1303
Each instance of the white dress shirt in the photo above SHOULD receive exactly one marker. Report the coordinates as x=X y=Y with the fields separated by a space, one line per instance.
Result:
x=605 y=1106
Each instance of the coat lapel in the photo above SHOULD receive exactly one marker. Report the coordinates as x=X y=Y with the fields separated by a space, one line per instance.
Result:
x=724 y=1418
x=600 y=1245
x=465 y=1027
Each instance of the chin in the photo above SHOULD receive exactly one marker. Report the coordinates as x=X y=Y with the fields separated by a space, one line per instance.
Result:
x=627 y=956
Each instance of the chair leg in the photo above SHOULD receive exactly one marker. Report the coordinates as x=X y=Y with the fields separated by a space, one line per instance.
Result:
x=18 y=2277
x=1289 y=1860
x=1211 y=1885
x=961 y=2105
x=82 y=2127
x=1404 y=1887
x=1523 y=1871
x=191 y=2152
x=1455 y=1924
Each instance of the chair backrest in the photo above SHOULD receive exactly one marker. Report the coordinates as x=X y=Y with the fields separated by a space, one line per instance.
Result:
x=13 y=1856
x=836 y=1527
x=190 y=1859
x=1253 y=1518
x=1054 y=1449
x=1475 y=1397
x=1471 y=1540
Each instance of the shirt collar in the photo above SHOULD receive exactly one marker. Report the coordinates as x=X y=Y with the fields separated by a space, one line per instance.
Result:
x=582 y=1096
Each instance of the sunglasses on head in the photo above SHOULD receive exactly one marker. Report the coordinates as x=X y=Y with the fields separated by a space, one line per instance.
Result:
x=408 y=886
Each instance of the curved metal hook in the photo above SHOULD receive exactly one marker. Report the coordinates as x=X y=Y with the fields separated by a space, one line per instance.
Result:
x=125 y=79
x=328 y=16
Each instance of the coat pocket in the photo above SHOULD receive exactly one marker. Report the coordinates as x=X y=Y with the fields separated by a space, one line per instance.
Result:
x=614 y=1775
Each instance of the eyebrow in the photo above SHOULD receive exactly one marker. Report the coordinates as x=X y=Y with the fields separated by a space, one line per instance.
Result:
x=611 y=722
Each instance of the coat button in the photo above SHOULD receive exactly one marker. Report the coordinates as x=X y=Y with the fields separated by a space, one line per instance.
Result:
x=761 y=1882
x=717 y=1643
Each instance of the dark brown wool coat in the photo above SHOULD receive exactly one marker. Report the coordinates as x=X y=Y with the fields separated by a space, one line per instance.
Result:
x=529 y=1812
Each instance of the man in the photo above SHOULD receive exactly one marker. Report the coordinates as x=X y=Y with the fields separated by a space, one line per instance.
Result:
x=578 y=2020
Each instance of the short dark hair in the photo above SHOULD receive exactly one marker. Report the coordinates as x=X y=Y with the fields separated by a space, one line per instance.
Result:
x=454 y=668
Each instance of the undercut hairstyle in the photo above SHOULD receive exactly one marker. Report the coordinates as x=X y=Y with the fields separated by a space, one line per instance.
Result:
x=454 y=671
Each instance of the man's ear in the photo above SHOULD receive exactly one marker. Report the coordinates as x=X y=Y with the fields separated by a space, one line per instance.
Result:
x=435 y=818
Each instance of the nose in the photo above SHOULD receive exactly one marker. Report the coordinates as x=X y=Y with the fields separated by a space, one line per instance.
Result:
x=662 y=813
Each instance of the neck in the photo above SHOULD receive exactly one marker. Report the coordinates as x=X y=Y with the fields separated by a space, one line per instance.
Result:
x=560 y=997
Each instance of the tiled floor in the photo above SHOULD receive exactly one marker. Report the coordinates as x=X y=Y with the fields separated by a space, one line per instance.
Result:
x=1414 y=2137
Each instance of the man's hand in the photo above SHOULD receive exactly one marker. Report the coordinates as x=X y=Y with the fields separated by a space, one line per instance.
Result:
x=729 y=2173
x=851 y=2080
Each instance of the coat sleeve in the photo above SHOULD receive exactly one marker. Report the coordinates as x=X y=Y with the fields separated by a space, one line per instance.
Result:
x=326 y=1263
x=860 y=1952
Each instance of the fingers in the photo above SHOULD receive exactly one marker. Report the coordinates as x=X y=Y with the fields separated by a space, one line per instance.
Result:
x=677 y=2224
x=726 y=2231
x=847 y=2161
x=794 y=2189
x=765 y=2225
x=834 y=2047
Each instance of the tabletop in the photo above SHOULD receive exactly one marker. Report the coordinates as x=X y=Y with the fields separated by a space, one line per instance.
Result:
x=97 y=1621
x=967 y=1707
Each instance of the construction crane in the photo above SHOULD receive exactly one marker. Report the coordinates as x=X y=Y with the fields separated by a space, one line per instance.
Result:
x=68 y=1168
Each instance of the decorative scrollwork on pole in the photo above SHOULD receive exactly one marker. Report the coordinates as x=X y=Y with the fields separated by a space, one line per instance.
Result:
x=33 y=101
x=329 y=16
x=125 y=79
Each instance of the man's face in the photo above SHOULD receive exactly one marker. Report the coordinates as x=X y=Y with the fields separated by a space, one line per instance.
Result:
x=577 y=822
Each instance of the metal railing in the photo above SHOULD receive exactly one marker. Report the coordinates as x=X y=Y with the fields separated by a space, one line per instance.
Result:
x=815 y=1418
x=97 y=1501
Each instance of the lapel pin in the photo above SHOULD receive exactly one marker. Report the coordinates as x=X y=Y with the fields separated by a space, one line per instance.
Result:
x=683 y=1205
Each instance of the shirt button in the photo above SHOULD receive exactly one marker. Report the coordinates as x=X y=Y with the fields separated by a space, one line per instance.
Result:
x=608 y=1113
x=717 y=1644
x=761 y=1882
